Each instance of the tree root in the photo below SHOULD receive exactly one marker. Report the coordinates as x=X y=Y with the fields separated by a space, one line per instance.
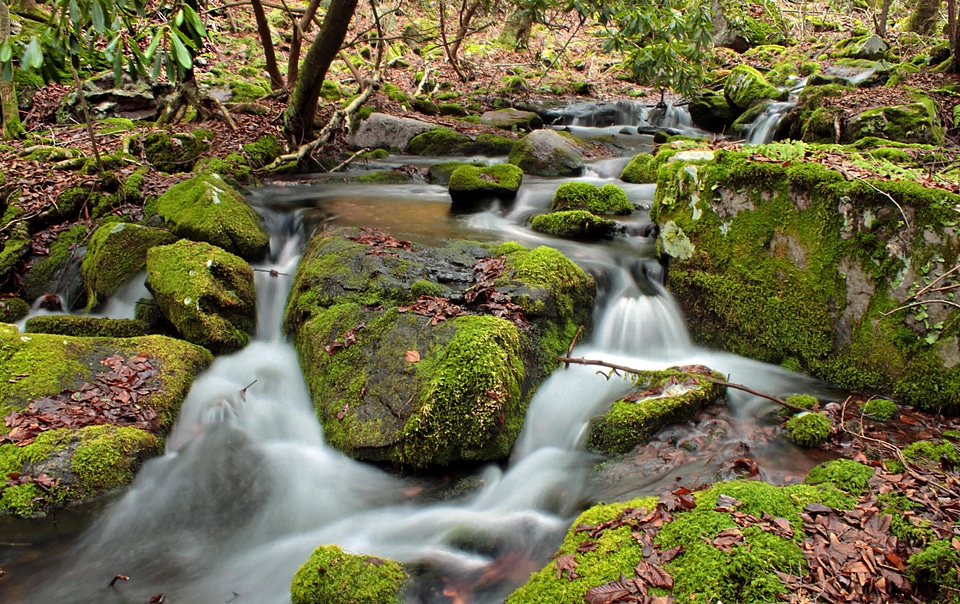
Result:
x=188 y=96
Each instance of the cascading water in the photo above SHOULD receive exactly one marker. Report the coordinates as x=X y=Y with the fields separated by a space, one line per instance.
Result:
x=247 y=487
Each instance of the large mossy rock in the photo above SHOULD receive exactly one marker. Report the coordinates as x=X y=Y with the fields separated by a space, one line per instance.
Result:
x=84 y=462
x=206 y=208
x=206 y=293
x=333 y=576
x=711 y=111
x=746 y=87
x=548 y=153
x=657 y=399
x=177 y=153
x=512 y=119
x=616 y=541
x=575 y=224
x=742 y=25
x=392 y=380
x=916 y=122
x=116 y=253
x=605 y=201
x=469 y=185
x=444 y=141
x=813 y=120
x=789 y=262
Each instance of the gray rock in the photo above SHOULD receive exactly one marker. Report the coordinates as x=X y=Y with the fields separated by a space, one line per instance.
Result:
x=548 y=153
x=382 y=131
x=510 y=118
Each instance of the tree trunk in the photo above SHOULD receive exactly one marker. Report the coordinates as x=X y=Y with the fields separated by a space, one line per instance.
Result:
x=923 y=19
x=263 y=28
x=298 y=118
x=299 y=29
x=12 y=128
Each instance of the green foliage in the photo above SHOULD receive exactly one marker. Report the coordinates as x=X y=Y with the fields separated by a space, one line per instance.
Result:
x=808 y=429
x=803 y=400
x=880 y=408
x=935 y=566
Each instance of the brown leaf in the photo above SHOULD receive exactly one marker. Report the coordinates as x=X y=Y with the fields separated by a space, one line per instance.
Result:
x=653 y=575
x=343 y=411
x=412 y=356
x=567 y=564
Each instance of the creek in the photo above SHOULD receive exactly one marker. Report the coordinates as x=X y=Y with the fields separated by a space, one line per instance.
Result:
x=248 y=488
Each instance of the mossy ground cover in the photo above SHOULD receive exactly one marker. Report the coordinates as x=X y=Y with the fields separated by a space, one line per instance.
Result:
x=333 y=576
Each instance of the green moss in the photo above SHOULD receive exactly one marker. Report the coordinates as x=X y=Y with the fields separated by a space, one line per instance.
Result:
x=846 y=474
x=234 y=169
x=330 y=91
x=746 y=87
x=880 y=408
x=75 y=325
x=115 y=254
x=332 y=576
x=263 y=150
x=632 y=422
x=108 y=455
x=803 y=400
x=422 y=287
x=470 y=183
x=386 y=176
x=177 y=153
x=248 y=91
x=808 y=429
x=640 y=169
x=935 y=566
x=207 y=293
x=574 y=196
x=611 y=199
x=579 y=224
x=932 y=454
x=13 y=309
x=47 y=272
x=394 y=93
x=205 y=208
x=439 y=174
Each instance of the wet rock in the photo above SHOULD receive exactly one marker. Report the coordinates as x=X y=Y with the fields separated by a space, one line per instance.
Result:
x=382 y=131
x=470 y=185
x=512 y=119
x=916 y=122
x=205 y=292
x=176 y=153
x=576 y=224
x=746 y=87
x=709 y=110
x=548 y=153
x=429 y=381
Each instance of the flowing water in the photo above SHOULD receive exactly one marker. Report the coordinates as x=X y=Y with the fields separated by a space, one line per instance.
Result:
x=247 y=487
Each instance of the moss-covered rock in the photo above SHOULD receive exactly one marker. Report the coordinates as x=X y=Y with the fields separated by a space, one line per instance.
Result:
x=846 y=474
x=711 y=111
x=606 y=200
x=13 y=309
x=746 y=87
x=85 y=461
x=83 y=464
x=635 y=418
x=263 y=150
x=811 y=121
x=54 y=272
x=205 y=208
x=701 y=572
x=439 y=174
x=880 y=408
x=115 y=254
x=470 y=184
x=333 y=576
x=512 y=119
x=464 y=399
x=786 y=260
x=205 y=292
x=548 y=153
x=177 y=153
x=76 y=325
x=916 y=122
x=440 y=141
x=741 y=25
x=576 y=224
x=641 y=169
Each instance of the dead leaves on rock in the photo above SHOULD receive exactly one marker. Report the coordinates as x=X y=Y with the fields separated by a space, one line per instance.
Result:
x=484 y=295
x=380 y=242
x=112 y=398
x=439 y=309
x=347 y=339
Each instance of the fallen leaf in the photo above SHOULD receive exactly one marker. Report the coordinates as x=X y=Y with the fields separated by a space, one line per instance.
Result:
x=412 y=356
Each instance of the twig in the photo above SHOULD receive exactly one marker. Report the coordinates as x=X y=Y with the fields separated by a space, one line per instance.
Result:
x=573 y=343
x=624 y=368
x=884 y=193
x=345 y=162
x=563 y=50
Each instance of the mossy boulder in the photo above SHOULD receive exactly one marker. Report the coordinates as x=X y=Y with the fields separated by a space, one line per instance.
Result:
x=444 y=141
x=711 y=111
x=870 y=47
x=115 y=254
x=812 y=121
x=634 y=419
x=87 y=461
x=263 y=150
x=439 y=174
x=742 y=25
x=606 y=200
x=746 y=87
x=55 y=271
x=205 y=208
x=548 y=153
x=788 y=261
x=205 y=292
x=176 y=153
x=382 y=131
x=333 y=576
x=471 y=184
x=13 y=309
x=640 y=169
x=576 y=224
x=916 y=122
x=747 y=571
x=414 y=389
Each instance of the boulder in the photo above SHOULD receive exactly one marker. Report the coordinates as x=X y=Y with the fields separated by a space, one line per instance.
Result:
x=86 y=326
x=206 y=208
x=470 y=185
x=115 y=254
x=576 y=224
x=382 y=131
x=205 y=292
x=787 y=261
x=709 y=110
x=429 y=381
x=813 y=122
x=548 y=153
x=134 y=100
x=47 y=374
x=916 y=122
x=178 y=152
x=871 y=47
x=512 y=119
x=606 y=200
x=347 y=579
x=444 y=141
x=746 y=87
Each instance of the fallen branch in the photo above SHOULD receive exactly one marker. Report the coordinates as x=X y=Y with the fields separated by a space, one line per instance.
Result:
x=625 y=369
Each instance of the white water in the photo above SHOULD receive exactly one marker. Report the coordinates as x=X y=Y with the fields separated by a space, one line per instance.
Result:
x=248 y=488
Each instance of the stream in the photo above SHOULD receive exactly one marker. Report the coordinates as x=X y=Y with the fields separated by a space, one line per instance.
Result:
x=248 y=488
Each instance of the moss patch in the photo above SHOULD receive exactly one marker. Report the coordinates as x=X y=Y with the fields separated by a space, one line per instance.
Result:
x=332 y=576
